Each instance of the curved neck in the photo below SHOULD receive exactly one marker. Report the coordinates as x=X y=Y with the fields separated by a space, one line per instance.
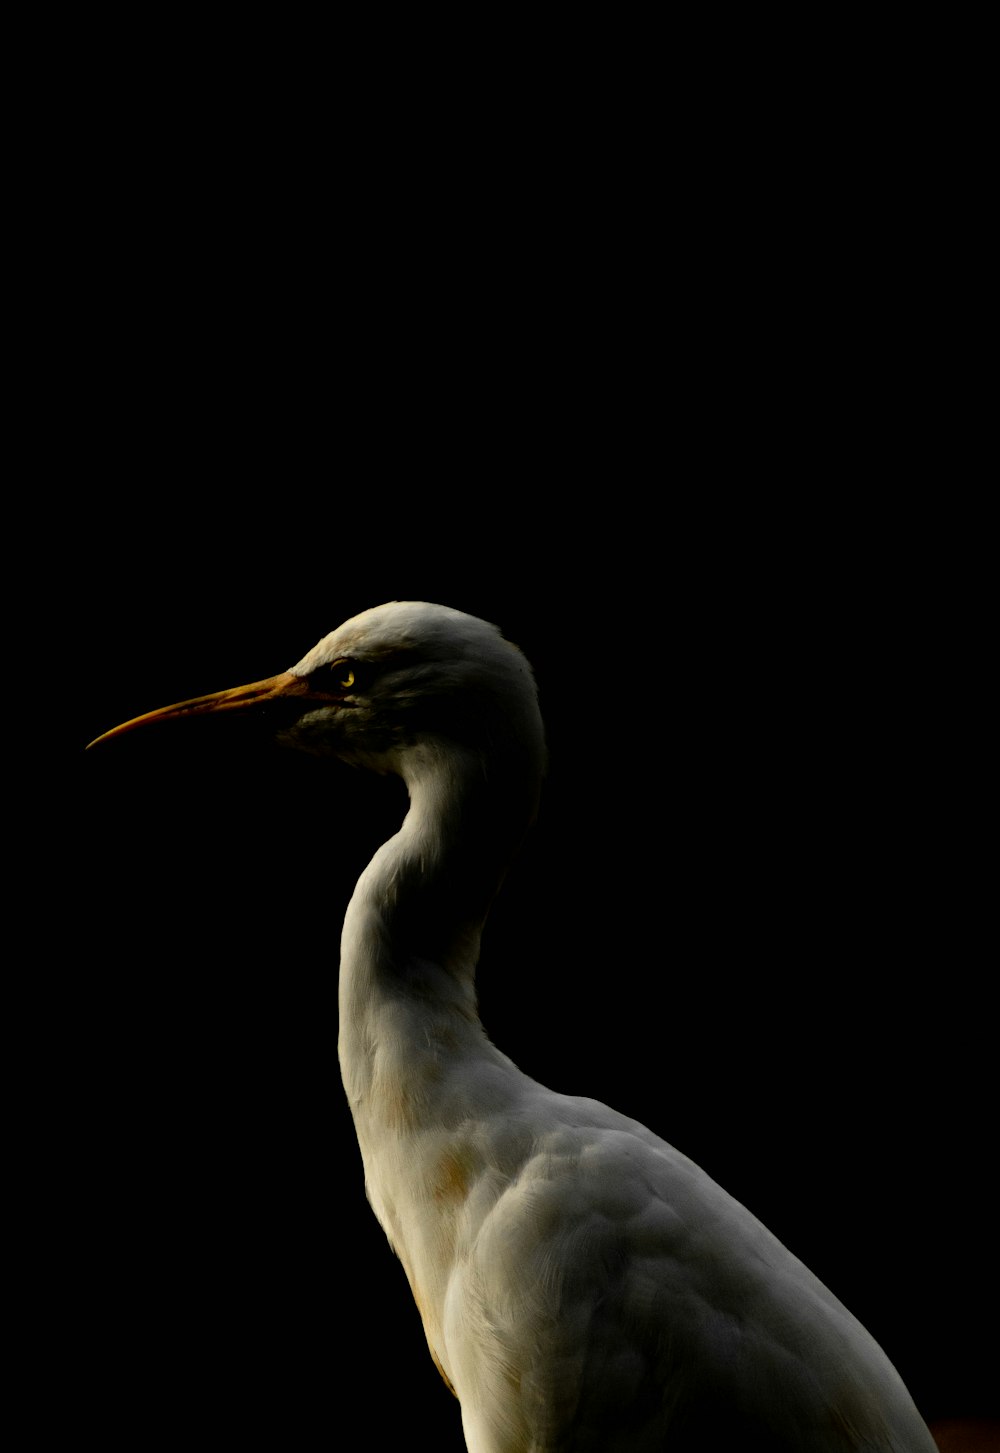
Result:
x=412 y=930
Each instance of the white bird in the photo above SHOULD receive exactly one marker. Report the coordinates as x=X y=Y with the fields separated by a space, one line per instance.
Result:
x=584 y=1287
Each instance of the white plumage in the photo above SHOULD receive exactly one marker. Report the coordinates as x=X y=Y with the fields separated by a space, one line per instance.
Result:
x=583 y=1286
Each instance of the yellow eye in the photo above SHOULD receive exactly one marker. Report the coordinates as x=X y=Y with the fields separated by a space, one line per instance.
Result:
x=334 y=679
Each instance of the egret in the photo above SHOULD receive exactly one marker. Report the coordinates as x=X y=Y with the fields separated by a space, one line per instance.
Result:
x=583 y=1286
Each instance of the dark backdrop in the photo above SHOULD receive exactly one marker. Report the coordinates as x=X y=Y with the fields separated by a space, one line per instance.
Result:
x=690 y=469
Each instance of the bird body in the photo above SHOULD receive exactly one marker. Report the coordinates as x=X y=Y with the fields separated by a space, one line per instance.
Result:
x=584 y=1287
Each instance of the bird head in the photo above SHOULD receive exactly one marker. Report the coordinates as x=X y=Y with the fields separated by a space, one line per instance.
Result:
x=388 y=682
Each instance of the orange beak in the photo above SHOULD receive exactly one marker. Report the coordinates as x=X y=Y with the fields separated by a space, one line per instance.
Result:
x=283 y=687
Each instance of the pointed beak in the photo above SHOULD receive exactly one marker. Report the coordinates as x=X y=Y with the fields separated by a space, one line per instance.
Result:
x=245 y=699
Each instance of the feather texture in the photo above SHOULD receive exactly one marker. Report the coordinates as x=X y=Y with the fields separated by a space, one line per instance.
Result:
x=584 y=1287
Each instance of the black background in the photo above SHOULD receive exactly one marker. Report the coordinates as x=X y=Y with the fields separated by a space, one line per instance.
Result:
x=690 y=478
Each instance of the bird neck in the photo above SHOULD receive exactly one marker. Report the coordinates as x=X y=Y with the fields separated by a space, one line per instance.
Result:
x=412 y=930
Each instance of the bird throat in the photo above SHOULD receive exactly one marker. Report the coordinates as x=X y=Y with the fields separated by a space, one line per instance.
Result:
x=412 y=931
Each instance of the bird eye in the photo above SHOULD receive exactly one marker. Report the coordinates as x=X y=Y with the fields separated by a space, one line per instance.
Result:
x=336 y=678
